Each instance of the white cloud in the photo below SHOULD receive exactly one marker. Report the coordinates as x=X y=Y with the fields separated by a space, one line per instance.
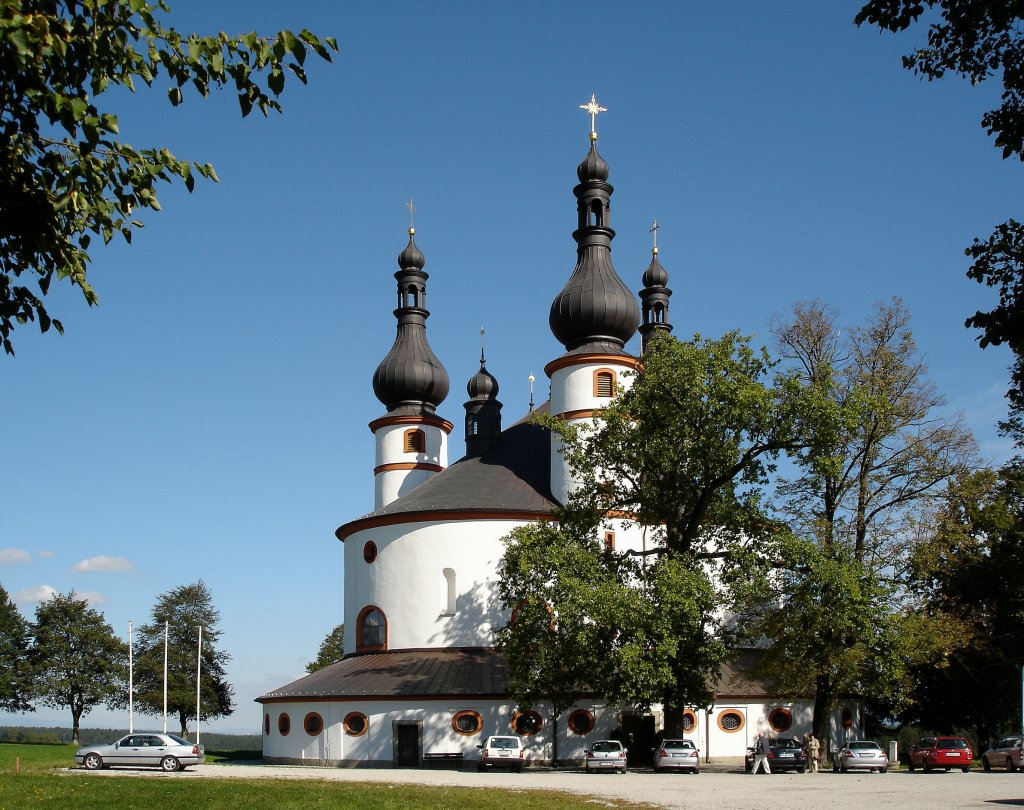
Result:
x=93 y=564
x=10 y=556
x=38 y=594
x=91 y=597
x=46 y=555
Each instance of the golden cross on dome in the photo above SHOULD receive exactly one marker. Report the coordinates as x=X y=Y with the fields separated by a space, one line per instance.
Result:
x=412 y=210
x=654 y=234
x=593 y=108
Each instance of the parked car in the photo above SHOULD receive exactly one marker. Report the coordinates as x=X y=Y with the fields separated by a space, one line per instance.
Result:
x=679 y=754
x=941 y=752
x=784 y=754
x=861 y=754
x=606 y=755
x=167 y=751
x=501 y=752
x=1004 y=754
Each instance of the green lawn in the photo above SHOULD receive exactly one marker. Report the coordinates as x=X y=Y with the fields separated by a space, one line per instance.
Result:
x=42 y=784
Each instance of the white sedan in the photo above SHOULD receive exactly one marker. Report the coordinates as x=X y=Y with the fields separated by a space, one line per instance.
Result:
x=167 y=751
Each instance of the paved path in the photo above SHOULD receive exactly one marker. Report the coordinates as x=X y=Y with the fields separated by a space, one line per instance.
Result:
x=716 y=787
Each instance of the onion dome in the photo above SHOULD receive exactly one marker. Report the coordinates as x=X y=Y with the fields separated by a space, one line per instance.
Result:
x=411 y=379
x=483 y=411
x=654 y=297
x=595 y=311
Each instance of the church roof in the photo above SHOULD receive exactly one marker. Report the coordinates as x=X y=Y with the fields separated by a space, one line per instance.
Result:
x=512 y=477
x=402 y=673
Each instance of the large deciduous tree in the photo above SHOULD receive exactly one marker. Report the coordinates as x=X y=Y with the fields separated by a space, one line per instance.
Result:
x=15 y=674
x=65 y=174
x=183 y=610
x=332 y=649
x=978 y=40
x=77 y=661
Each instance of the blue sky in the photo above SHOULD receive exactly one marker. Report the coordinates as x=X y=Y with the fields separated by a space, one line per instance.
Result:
x=209 y=418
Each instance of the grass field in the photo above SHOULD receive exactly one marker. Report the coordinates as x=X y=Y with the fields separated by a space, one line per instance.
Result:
x=42 y=783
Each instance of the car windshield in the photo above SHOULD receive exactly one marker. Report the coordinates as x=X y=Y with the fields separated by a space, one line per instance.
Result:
x=179 y=740
x=504 y=742
x=864 y=746
x=606 y=746
x=785 y=743
x=676 y=745
x=951 y=742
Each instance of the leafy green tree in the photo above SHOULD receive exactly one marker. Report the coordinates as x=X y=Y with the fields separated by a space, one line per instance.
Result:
x=184 y=610
x=65 y=175
x=978 y=40
x=332 y=649
x=77 y=661
x=15 y=675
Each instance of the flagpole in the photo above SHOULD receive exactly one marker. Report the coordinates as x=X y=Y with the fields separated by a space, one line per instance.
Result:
x=131 y=683
x=165 y=677
x=199 y=672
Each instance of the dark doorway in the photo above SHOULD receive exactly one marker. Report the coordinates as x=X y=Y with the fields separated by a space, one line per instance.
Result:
x=638 y=734
x=407 y=745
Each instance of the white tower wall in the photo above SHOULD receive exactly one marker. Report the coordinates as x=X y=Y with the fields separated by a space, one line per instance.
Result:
x=397 y=472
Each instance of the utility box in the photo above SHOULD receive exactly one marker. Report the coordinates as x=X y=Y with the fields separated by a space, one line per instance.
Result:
x=893 y=753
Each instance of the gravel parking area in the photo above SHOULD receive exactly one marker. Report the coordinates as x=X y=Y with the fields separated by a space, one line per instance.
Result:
x=716 y=787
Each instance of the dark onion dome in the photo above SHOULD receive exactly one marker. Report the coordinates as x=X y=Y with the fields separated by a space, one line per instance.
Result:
x=595 y=311
x=482 y=385
x=655 y=275
x=411 y=379
x=654 y=297
x=483 y=411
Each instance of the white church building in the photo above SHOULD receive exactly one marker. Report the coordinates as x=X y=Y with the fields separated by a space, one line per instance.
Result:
x=421 y=678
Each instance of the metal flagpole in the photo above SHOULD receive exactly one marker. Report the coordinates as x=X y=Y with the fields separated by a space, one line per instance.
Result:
x=199 y=672
x=165 y=677
x=131 y=683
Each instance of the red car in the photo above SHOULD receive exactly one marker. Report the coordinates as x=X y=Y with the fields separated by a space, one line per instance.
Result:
x=932 y=753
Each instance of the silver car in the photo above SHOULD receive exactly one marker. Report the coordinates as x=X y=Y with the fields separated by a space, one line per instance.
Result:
x=1004 y=754
x=680 y=754
x=861 y=755
x=606 y=755
x=167 y=751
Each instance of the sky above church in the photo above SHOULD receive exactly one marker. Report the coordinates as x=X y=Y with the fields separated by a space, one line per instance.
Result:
x=209 y=418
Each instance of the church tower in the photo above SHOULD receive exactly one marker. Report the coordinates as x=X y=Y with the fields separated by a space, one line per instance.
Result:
x=483 y=411
x=411 y=439
x=654 y=297
x=593 y=316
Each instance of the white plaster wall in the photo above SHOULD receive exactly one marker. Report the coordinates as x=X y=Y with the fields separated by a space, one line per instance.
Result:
x=407 y=582
x=389 y=442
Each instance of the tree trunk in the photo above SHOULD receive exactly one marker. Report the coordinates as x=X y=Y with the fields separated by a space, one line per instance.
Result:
x=823 y=701
x=554 y=740
x=673 y=722
x=76 y=716
x=183 y=717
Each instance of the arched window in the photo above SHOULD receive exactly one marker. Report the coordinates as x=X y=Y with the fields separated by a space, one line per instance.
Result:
x=448 y=606
x=415 y=441
x=371 y=629
x=604 y=383
x=609 y=541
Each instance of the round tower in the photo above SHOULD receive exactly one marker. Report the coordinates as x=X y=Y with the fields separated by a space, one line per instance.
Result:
x=483 y=411
x=654 y=297
x=411 y=439
x=593 y=316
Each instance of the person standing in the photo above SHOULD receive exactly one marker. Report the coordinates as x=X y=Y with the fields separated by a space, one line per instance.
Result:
x=813 y=749
x=761 y=749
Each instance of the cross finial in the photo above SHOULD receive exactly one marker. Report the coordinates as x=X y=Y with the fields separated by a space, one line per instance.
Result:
x=412 y=210
x=531 y=378
x=482 y=333
x=593 y=108
x=654 y=235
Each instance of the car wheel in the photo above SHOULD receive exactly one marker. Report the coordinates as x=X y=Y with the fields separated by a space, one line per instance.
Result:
x=883 y=770
x=927 y=767
x=93 y=762
x=479 y=767
x=985 y=764
x=966 y=769
x=170 y=764
x=519 y=769
x=835 y=766
x=910 y=765
x=1010 y=766
x=801 y=770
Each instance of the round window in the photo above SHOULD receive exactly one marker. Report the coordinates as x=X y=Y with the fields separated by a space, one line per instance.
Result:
x=730 y=720
x=313 y=723
x=355 y=724
x=284 y=724
x=689 y=721
x=526 y=723
x=370 y=551
x=780 y=719
x=266 y=724
x=467 y=722
x=581 y=722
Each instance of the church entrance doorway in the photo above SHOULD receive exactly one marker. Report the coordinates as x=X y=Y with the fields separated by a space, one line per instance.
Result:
x=407 y=745
x=638 y=735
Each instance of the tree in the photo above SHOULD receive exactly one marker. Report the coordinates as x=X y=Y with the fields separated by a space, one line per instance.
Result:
x=875 y=454
x=184 y=610
x=686 y=451
x=977 y=40
x=332 y=649
x=15 y=675
x=77 y=661
x=65 y=176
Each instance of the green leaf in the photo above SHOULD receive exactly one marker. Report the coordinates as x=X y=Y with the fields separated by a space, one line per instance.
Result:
x=174 y=94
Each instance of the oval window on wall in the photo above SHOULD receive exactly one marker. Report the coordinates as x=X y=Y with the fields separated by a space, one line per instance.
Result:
x=689 y=721
x=581 y=722
x=780 y=719
x=313 y=723
x=369 y=552
x=266 y=724
x=730 y=720
x=526 y=723
x=467 y=722
x=355 y=724
x=284 y=724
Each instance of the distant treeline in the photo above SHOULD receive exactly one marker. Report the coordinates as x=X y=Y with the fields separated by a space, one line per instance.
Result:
x=42 y=735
